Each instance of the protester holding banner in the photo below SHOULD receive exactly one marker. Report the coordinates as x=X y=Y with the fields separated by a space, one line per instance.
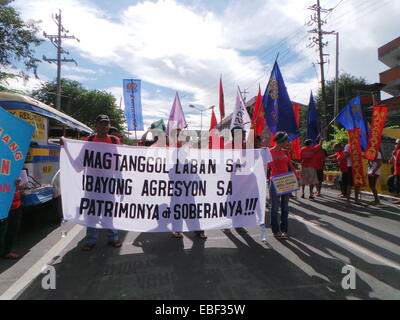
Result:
x=238 y=142
x=308 y=170
x=281 y=164
x=396 y=165
x=374 y=172
x=102 y=127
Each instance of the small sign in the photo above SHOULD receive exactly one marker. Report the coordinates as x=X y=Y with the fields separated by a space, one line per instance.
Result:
x=285 y=183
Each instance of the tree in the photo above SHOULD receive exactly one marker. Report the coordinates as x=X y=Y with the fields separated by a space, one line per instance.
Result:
x=349 y=87
x=80 y=103
x=16 y=40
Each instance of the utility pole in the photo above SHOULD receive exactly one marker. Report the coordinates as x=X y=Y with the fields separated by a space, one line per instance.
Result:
x=319 y=41
x=336 y=107
x=243 y=93
x=56 y=40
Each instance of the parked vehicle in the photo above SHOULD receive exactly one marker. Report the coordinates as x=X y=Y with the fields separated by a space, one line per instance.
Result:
x=43 y=158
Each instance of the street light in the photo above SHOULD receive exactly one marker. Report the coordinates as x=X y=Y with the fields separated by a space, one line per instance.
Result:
x=201 y=113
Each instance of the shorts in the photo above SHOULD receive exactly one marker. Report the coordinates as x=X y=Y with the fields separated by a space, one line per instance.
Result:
x=347 y=177
x=320 y=175
x=308 y=176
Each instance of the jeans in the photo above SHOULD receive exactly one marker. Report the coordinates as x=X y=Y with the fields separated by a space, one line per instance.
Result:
x=283 y=202
x=92 y=234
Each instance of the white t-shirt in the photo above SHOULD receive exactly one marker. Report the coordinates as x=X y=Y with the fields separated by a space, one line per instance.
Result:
x=372 y=165
x=349 y=161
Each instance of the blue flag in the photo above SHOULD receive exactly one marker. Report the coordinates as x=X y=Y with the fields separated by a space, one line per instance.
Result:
x=279 y=113
x=352 y=117
x=15 y=137
x=313 y=128
x=133 y=104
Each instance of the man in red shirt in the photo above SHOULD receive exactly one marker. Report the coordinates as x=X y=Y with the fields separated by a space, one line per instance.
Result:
x=396 y=165
x=280 y=164
x=308 y=171
x=102 y=127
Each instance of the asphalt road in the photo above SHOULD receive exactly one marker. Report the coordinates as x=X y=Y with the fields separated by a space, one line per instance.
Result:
x=326 y=235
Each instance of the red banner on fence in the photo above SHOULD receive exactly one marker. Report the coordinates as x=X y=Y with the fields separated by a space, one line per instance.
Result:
x=357 y=158
x=375 y=135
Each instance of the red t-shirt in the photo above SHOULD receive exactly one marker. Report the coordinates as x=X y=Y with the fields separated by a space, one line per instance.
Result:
x=342 y=161
x=308 y=156
x=108 y=139
x=319 y=159
x=397 y=164
x=280 y=163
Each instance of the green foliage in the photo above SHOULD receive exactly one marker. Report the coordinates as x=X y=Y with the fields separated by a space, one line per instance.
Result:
x=16 y=40
x=82 y=104
x=339 y=136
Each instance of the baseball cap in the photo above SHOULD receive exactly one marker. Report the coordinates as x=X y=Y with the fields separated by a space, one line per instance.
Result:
x=102 y=117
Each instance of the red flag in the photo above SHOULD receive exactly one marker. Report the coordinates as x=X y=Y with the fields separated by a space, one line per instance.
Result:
x=375 y=135
x=295 y=149
x=258 y=121
x=221 y=100
x=213 y=120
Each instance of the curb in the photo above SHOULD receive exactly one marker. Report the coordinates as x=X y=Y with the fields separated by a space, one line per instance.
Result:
x=381 y=196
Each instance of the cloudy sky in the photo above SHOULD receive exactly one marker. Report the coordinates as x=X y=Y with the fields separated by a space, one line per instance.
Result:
x=185 y=45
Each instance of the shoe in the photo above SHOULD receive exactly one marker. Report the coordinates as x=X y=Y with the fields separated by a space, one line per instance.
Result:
x=319 y=195
x=177 y=235
x=342 y=196
x=115 y=243
x=284 y=236
x=311 y=197
x=88 y=247
x=226 y=230
x=12 y=256
x=277 y=236
x=303 y=196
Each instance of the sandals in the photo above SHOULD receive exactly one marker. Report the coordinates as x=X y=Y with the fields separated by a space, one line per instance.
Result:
x=88 y=247
x=281 y=236
x=202 y=235
x=115 y=244
x=277 y=235
x=177 y=235
x=284 y=236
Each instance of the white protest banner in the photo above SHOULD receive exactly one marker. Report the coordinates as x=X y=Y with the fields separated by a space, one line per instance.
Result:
x=109 y=186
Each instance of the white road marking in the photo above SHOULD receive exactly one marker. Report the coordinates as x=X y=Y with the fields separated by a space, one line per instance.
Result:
x=350 y=244
x=17 y=287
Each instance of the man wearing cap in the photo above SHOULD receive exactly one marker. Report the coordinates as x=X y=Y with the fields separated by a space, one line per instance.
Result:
x=280 y=164
x=102 y=127
x=396 y=165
